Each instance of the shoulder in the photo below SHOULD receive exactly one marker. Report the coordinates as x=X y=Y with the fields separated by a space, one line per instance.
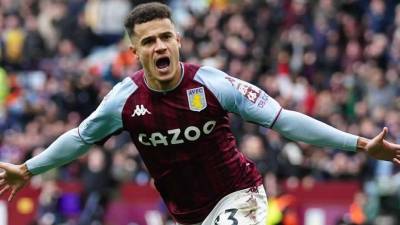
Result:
x=218 y=82
x=195 y=70
x=126 y=86
x=137 y=77
x=212 y=77
x=190 y=69
x=119 y=94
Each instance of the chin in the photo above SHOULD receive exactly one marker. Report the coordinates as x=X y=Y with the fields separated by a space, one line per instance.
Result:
x=165 y=78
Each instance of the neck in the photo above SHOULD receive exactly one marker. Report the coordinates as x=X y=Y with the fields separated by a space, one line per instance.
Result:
x=156 y=85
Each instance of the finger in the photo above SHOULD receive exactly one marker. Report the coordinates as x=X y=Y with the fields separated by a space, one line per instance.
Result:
x=12 y=194
x=397 y=161
x=3 y=165
x=4 y=189
x=394 y=148
x=383 y=133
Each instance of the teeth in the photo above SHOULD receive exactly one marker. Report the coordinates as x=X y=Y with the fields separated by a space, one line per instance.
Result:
x=163 y=69
x=162 y=63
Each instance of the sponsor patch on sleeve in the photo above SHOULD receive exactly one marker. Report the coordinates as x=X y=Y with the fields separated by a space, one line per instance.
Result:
x=250 y=92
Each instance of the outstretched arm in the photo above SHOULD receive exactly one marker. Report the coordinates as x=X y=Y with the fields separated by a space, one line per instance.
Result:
x=254 y=105
x=66 y=148
x=102 y=123
x=299 y=127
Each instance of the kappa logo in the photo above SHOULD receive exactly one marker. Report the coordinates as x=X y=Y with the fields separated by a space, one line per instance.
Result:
x=140 y=110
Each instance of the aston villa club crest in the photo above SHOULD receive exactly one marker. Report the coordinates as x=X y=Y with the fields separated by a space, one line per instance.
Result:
x=196 y=99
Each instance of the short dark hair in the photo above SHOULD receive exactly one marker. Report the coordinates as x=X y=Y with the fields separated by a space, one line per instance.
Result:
x=144 y=13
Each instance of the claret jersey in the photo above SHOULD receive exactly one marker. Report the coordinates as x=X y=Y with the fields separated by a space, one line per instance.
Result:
x=183 y=135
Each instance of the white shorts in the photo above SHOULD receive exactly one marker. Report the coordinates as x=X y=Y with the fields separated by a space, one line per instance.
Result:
x=244 y=207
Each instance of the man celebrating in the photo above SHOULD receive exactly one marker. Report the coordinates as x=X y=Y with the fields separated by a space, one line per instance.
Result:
x=177 y=116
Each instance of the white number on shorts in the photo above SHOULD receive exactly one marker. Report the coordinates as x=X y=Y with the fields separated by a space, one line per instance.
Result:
x=231 y=217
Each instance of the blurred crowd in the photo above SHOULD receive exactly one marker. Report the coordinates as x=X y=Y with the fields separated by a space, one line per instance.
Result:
x=335 y=60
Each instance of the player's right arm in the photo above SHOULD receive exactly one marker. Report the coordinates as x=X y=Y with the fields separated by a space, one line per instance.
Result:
x=102 y=123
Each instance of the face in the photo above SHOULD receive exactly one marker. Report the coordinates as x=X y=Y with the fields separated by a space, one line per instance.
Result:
x=156 y=44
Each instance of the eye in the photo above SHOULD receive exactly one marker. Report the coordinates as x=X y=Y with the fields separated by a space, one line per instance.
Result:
x=166 y=37
x=147 y=41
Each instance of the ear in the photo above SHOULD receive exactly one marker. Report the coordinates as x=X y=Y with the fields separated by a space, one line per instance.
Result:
x=133 y=49
x=178 y=39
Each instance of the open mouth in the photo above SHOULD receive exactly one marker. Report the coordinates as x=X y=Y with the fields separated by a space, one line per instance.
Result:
x=162 y=63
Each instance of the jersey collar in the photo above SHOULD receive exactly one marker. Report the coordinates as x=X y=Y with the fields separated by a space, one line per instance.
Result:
x=171 y=89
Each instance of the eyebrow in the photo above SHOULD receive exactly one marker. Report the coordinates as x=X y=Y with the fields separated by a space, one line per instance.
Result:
x=152 y=37
x=146 y=39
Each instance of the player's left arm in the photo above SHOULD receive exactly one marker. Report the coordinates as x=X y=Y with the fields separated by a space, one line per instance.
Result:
x=254 y=105
x=299 y=127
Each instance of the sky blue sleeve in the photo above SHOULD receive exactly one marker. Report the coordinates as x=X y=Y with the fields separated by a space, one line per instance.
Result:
x=254 y=105
x=104 y=121
x=64 y=149
x=300 y=127
x=108 y=116
x=240 y=97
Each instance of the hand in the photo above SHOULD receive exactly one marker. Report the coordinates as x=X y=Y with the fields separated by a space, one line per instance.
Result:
x=13 y=178
x=379 y=148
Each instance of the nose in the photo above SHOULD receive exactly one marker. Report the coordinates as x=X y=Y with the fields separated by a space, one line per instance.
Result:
x=160 y=45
